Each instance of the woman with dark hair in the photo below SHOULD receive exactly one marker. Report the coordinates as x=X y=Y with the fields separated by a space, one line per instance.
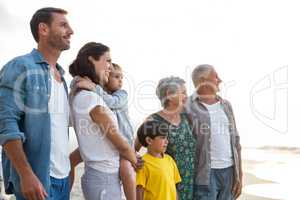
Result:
x=100 y=144
x=86 y=62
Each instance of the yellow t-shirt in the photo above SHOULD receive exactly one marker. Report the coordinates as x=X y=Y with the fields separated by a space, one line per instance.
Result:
x=158 y=177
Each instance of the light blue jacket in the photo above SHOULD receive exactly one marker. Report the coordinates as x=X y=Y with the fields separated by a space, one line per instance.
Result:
x=118 y=103
x=25 y=88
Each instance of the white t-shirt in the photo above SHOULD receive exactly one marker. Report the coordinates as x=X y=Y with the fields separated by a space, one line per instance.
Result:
x=59 y=115
x=220 y=145
x=96 y=150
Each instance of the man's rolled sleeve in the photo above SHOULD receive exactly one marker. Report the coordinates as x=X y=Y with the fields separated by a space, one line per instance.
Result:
x=11 y=102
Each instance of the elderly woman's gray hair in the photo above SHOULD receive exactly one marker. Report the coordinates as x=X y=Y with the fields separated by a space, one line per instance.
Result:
x=168 y=85
x=200 y=72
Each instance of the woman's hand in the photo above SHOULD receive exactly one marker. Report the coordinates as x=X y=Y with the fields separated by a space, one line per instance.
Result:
x=140 y=162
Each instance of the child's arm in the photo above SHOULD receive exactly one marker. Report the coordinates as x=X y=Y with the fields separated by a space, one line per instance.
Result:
x=139 y=192
x=116 y=100
x=75 y=159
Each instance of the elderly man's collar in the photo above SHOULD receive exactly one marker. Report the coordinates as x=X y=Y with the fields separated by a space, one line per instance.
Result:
x=196 y=96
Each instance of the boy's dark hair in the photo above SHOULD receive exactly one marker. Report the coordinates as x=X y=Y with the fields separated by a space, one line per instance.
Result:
x=152 y=128
x=43 y=15
x=82 y=66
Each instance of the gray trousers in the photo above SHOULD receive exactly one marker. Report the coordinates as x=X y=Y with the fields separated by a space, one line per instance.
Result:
x=97 y=185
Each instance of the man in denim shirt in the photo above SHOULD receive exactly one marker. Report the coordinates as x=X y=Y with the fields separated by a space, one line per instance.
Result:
x=33 y=126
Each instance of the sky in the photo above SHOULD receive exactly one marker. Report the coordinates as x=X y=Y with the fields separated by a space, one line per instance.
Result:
x=254 y=46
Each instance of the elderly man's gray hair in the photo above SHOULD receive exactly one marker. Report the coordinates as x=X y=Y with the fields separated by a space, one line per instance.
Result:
x=169 y=84
x=200 y=72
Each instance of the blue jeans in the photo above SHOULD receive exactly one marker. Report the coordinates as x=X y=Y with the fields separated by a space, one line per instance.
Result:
x=59 y=190
x=220 y=187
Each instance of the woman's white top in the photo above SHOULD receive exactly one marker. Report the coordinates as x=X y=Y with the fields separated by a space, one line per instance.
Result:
x=95 y=148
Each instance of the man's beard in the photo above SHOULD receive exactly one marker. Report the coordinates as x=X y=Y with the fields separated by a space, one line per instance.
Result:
x=58 y=43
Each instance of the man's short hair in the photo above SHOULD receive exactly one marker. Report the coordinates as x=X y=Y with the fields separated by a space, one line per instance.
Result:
x=200 y=72
x=152 y=128
x=43 y=15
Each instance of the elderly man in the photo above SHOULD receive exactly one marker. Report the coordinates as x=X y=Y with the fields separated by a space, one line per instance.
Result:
x=218 y=170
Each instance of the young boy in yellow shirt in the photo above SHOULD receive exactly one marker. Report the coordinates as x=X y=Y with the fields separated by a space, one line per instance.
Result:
x=158 y=177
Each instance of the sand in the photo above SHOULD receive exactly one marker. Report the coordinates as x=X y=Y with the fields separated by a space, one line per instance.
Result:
x=263 y=172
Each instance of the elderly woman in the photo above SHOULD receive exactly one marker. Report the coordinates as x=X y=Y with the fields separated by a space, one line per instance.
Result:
x=171 y=92
x=218 y=170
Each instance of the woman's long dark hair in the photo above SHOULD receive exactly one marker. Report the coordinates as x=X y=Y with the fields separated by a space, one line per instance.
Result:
x=82 y=66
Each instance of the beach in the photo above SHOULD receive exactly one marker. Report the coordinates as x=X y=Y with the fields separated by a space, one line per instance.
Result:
x=270 y=173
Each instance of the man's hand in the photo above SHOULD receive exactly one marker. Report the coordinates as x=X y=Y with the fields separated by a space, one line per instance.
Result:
x=32 y=188
x=237 y=189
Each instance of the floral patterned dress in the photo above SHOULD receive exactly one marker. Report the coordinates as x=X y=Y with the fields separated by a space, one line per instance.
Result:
x=182 y=148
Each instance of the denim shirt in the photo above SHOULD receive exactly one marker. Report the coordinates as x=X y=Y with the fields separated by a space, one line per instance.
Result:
x=118 y=103
x=25 y=88
x=201 y=128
